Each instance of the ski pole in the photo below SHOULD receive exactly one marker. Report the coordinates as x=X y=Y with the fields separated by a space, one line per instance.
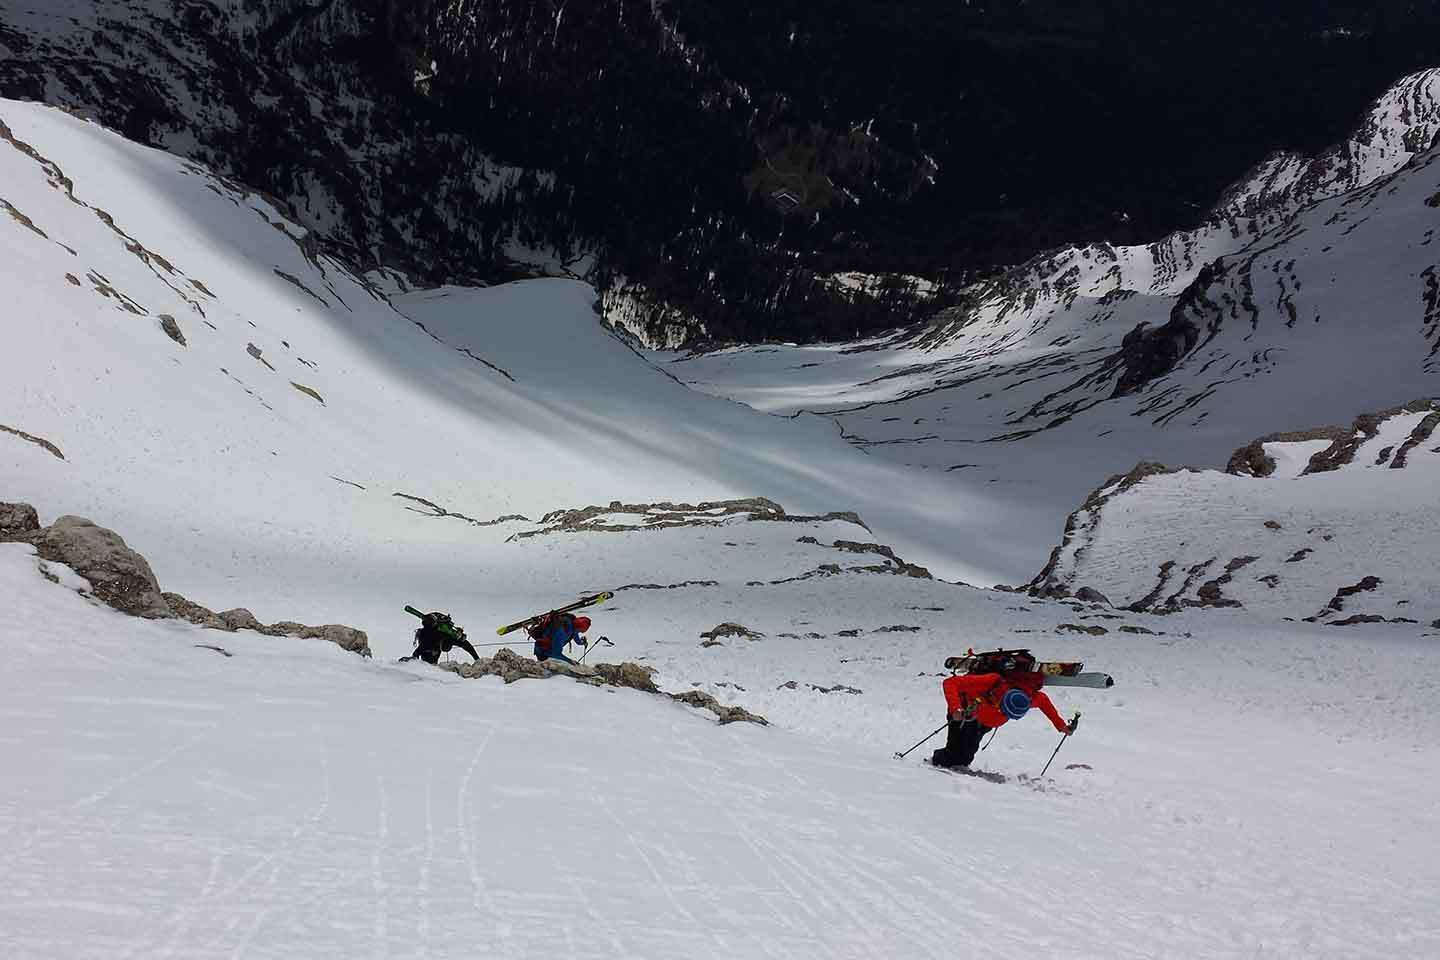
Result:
x=901 y=756
x=1062 y=742
x=993 y=734
x=592 y=645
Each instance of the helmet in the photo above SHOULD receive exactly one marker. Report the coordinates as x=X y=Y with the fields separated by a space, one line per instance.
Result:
x=1014 y=704
x=582 y=623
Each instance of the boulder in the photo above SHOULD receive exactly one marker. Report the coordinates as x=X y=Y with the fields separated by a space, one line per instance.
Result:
x=506 y=664
x=118 y=575
x=346 y=638
x=239 y=619
x=18 y=518
x=1091 y=595
x=704 y=701
x=630 y=675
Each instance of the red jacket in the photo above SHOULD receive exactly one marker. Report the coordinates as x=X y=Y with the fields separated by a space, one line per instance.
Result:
x=984 y=690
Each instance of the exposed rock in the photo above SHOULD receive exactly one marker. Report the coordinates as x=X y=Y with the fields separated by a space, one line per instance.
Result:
x=838 y=688
x=1366 y=426
x=211 y=646
x=309 y=392
x=704 y=701
x=194 y=612
x=1270 y=580
x=1148 y=353
x=435 y=510
x=684 y=584
x=1337 y=602
x=1359 y=618
x=1272 y=525
x=171 y=328
x=239 y=619
x=1299 y=555
x=256 y=352
x=123 y=579
x=505 y=664
x=663 y=515
x=631 y=675
x=1094 y=631
x=728 y=629
x=1252 y=461
x=1133 y=629
x=1049 y=583
x=346 y=638
x=879 y=549
x=18 y=518
x=1091 y=595
x=40 y=442
x=118 y=575
x=1422 y=432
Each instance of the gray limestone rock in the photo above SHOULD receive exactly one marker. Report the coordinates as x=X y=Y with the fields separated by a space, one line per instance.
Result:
x=18 y=518
x=118 y=575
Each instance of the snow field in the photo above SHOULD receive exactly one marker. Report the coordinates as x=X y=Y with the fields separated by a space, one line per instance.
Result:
x=294 y=798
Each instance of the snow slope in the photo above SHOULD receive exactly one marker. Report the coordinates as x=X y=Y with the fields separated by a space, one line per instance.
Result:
x=293 y=799
x=1303 y=544
x=305 y=397
x=326 y=446
x=1309 y=295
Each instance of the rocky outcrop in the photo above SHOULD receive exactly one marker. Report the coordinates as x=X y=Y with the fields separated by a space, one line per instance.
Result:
x=511 y=666
x=618 y=517
x=40 y=442
x=1252 y=461
x=1366 y=426
x=713 y=636
x=704 y=701
x=232 y=621
x=118 y=575
x=17 y=519
x=1050 y=582
x=122 y=578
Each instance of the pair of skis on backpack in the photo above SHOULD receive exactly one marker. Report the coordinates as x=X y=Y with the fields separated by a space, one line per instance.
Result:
x=1057 y=673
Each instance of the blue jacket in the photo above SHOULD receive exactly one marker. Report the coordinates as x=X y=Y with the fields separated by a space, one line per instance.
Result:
x=550 y=643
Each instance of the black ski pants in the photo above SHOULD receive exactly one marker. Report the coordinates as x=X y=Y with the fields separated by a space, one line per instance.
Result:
x=430 y=651
x=962 y=739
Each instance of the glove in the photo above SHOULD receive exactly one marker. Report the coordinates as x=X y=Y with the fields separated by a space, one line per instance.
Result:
x=1071 y=727
x=582 y=641
x=956 y=716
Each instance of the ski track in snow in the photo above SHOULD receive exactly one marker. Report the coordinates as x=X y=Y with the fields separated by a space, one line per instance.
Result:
x=604 y=823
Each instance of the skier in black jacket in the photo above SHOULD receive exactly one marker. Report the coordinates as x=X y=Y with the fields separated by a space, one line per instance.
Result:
x=438 y=634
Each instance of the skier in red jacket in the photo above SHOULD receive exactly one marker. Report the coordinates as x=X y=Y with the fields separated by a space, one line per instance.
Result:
x=980 y=702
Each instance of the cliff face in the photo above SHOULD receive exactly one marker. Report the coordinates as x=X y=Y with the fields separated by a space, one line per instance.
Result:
x=314 y=103
x=714 y=171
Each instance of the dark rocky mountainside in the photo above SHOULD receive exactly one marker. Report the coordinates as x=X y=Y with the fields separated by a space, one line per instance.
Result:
x=715 y=167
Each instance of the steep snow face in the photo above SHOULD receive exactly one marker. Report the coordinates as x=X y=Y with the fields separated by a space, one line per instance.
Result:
x=1346 y=538
x=305 y=397
x=293 y=799
x=1403 y=123
x=273 y=430
x=1307 y=305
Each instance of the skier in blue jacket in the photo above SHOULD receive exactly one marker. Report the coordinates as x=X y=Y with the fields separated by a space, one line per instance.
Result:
x=554 y=632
